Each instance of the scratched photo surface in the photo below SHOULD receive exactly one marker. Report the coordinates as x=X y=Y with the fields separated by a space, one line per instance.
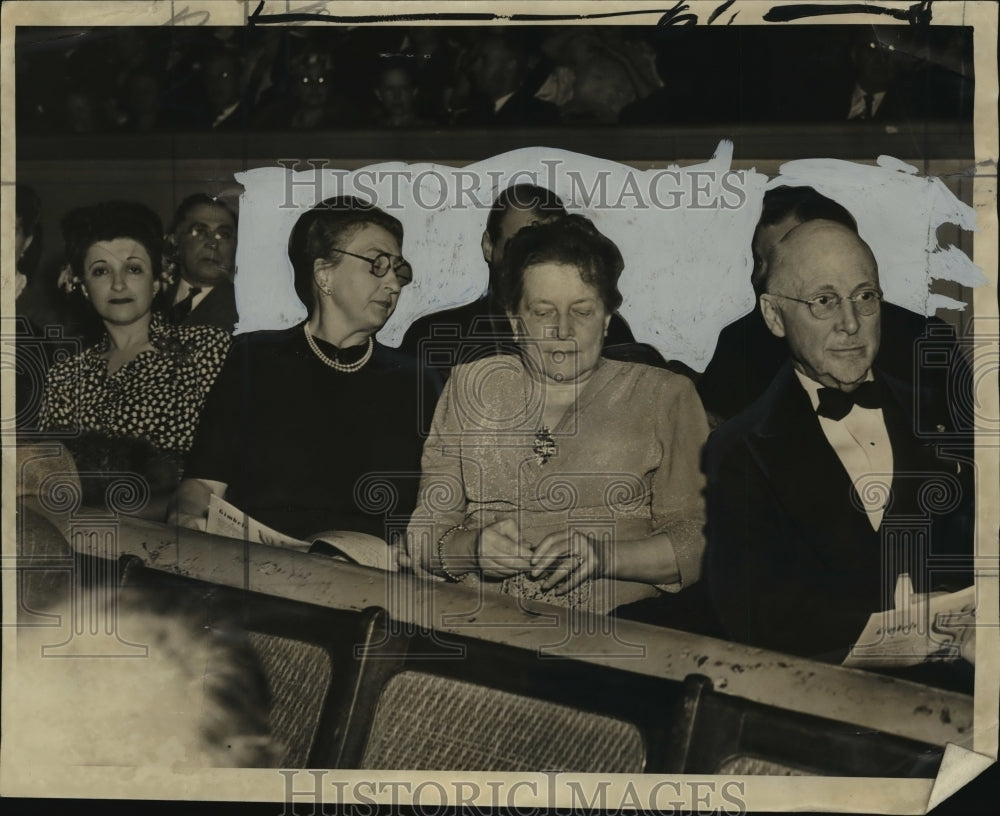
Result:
x=501 y=406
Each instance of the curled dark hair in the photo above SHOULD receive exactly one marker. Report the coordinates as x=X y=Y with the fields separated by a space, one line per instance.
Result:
x=326 y=226
x=572 y=240
x=85 y=226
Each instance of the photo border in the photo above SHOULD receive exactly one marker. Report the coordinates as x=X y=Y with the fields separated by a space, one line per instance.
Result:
x=761 y=793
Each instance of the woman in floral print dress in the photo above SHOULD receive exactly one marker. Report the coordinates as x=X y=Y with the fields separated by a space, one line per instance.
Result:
x=128 y=407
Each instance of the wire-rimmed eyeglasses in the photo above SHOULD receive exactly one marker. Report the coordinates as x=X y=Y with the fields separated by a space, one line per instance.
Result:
x=824 y=305
x=202 y=232
x=383 y=262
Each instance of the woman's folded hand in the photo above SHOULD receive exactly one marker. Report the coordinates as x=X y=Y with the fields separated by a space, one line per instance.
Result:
x=499 y=552
x=570 y=557
x=492 y=552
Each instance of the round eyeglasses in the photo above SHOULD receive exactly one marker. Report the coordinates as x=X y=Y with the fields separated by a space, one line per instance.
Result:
x=202 y=232
x=825 y=305
x=383 y=262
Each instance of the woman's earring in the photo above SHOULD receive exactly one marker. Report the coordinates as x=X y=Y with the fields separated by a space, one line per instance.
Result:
x=326 y=290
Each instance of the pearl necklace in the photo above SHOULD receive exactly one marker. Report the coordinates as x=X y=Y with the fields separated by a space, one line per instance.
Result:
x=347 y=368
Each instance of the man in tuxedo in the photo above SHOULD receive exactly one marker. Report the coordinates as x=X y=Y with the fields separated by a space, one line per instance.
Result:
x=203 y=236
x=820 y=494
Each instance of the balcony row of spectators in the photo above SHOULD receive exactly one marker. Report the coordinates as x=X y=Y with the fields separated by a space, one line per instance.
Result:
x=144 y=80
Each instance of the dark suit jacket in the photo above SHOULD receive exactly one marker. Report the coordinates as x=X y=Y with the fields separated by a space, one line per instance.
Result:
x=792 y=561
x=217 y=309
x=523 y=109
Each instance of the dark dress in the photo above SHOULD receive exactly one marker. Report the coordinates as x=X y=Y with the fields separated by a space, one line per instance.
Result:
x=304 y=448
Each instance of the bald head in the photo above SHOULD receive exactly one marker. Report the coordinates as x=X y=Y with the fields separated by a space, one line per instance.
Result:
x=784 y=208
x=808 y=249
x=825 y=264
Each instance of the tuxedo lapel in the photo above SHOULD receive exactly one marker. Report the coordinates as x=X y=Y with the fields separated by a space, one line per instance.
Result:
x=914 y=460
x=808 y=479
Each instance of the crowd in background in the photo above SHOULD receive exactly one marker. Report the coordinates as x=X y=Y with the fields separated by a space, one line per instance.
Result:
x=175 y=79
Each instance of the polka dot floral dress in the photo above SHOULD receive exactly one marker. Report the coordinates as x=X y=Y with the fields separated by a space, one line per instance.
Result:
x=153 y=402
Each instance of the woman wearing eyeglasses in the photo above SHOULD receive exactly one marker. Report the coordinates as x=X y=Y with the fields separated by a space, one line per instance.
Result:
x=316 y=427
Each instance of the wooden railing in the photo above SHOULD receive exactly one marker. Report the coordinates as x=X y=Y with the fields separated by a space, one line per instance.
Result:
x=912 y=141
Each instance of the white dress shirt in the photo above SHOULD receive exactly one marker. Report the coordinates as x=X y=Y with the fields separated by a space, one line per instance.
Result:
x=857 y=109
x=225 y=114
x=499 y=103
x=861 y=442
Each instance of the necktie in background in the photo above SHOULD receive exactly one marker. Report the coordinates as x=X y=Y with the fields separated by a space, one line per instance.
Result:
x=183 y=308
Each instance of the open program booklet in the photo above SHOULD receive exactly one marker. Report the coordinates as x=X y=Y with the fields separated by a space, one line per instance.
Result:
x=920 y=627
x=359 y=548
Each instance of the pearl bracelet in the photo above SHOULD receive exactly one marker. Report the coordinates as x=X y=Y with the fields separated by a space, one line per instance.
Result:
x=449 y=576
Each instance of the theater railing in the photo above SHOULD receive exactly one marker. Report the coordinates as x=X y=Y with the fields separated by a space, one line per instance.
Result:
x=914 y=141
x=870 y=702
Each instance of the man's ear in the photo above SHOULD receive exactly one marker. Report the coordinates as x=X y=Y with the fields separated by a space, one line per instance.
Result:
x=487 y=245
x=772 y=315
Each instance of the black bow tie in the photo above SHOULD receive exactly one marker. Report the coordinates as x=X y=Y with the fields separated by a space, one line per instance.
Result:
x=836 y=404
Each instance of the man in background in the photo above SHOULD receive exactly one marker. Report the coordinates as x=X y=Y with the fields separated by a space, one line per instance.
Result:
x=204 y=239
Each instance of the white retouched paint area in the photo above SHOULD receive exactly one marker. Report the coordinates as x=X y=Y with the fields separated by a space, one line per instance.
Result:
x=684 y=232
